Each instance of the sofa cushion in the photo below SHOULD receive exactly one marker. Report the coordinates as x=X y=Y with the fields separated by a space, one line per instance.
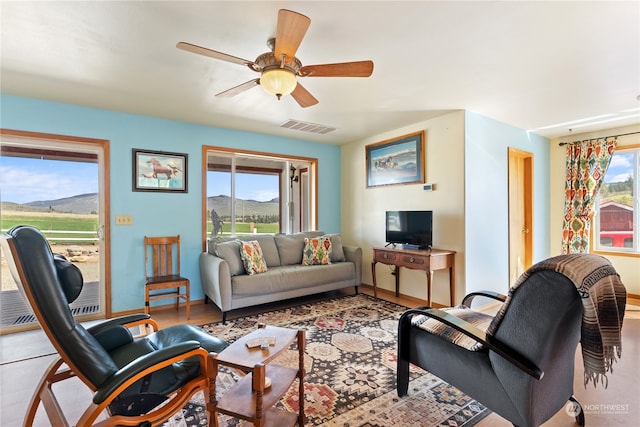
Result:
x=289 y=277
x=215 y=241
x=268 y=246
x=337 y=252
x=317 y=251
x=290 y=246
x=230 y=252
x=252 y=258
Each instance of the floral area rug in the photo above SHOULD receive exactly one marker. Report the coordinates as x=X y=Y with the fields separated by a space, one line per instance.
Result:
x=350 y=361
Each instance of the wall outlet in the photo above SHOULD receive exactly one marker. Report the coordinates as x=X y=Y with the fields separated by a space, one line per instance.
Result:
x=124 y=220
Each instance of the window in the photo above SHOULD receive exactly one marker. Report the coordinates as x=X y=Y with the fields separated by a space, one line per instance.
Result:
x=256 y=202
x=252 y=192
x=616 y=218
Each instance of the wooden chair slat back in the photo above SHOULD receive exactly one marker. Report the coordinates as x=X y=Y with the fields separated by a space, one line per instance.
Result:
x=165 y=256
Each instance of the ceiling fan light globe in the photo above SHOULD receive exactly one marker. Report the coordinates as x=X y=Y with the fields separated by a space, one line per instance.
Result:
x=278 y=82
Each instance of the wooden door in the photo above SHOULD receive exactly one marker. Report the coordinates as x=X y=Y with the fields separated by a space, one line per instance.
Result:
x=520 y=212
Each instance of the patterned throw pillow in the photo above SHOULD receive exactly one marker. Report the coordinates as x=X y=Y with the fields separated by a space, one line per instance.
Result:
x=252 y=258
x=317 y=251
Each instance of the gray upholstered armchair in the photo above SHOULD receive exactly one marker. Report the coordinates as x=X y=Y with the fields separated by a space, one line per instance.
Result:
x=520 y=362
x=130 y=376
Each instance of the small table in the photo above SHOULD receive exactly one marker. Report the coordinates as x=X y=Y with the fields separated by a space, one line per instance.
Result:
x=416 y=259
x=250 y=399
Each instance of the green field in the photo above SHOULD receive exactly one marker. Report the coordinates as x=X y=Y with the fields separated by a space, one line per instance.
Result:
x=619 y=192
x=89 y=223
x=54 y=222
x=244 y=228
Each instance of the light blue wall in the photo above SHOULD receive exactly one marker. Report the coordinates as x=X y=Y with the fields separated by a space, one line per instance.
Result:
x=163 y=213
x=486 y=199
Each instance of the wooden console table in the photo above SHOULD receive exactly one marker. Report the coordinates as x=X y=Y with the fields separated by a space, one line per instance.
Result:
x=427 y=260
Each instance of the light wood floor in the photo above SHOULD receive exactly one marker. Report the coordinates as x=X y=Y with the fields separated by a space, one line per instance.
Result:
x=24 y=357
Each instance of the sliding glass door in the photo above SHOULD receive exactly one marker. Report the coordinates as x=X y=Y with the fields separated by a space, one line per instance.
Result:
x=56 y=184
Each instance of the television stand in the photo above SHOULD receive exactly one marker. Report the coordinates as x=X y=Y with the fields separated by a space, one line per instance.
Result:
x=427 y=260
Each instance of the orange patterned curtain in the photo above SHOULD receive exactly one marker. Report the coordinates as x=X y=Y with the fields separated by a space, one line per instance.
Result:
x=587 y=162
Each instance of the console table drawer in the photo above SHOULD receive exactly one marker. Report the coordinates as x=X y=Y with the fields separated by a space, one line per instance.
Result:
x=414 y=261
x=382 y=256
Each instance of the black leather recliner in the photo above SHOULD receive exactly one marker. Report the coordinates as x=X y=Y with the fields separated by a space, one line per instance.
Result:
x=129 y=375
x=520 y=362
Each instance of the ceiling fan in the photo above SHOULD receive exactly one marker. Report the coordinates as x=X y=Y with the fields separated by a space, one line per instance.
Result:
x=280 y=68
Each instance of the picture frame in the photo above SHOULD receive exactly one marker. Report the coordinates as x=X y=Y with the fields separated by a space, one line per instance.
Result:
x=397 y=161
x=159 y=171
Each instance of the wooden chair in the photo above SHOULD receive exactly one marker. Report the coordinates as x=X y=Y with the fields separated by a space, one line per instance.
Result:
x=162 y=268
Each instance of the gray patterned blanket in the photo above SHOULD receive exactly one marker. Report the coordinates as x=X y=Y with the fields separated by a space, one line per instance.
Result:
x=603 y=302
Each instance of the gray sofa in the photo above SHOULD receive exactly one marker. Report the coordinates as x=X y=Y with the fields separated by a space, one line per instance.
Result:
x=226 y=283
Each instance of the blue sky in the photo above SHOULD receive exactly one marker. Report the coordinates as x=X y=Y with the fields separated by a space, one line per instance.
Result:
x=28 y=180
x=247 y=186
x=620 y=168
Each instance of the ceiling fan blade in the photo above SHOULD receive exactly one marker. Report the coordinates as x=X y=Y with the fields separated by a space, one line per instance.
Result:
x=292 y=27
x=303 y=97
x=343 y=69
x=239 y=89
x=212 y=53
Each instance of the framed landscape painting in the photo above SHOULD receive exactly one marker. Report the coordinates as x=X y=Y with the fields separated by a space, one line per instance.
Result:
x=396 y=161
x=159 y=171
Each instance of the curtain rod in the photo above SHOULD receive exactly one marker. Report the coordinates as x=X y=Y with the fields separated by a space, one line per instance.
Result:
x=610 y=136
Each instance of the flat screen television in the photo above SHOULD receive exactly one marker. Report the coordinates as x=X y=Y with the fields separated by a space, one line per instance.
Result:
x=410 y=228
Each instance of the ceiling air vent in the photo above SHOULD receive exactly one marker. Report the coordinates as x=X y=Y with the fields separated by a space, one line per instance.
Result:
x=306 y=127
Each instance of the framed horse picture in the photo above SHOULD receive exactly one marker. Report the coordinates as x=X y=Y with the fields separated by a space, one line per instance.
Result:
x=159 y=171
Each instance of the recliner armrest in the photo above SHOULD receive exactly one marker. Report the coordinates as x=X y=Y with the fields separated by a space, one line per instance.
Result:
x=467 y=300
x=466 y=328
x=146 y=365
x=117 y=321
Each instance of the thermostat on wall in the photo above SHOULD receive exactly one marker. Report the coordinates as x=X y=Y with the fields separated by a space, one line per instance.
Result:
x=428 y=187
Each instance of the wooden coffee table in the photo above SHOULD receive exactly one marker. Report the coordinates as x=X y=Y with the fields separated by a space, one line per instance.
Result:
x=250 y=399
